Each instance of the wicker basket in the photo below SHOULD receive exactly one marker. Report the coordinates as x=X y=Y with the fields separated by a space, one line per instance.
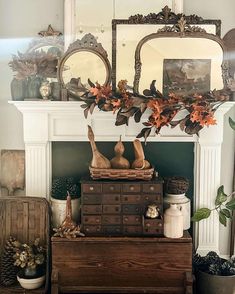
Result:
x=25 y=218
x=176 y=185
x=121 y=174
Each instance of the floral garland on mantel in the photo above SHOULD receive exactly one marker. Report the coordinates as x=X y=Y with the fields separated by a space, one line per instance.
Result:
x=200 y=108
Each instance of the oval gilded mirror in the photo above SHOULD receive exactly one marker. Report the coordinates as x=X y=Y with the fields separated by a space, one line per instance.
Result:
x=181 y=61
x=85 y=62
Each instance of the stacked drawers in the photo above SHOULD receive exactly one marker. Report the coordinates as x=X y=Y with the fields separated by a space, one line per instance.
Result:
x=118 y=207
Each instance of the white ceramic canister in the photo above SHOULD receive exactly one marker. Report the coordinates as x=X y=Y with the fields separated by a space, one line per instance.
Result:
x=183 y=203
x=173 y=222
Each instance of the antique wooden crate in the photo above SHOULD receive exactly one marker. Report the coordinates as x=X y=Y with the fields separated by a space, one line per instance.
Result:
x=25 y=218
x=116 y=208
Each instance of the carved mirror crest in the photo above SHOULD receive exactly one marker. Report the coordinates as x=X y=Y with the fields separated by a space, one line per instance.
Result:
x=84 y=62
x=127 y=33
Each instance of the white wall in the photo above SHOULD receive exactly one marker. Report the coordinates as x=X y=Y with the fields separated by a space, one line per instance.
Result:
x=20 y=21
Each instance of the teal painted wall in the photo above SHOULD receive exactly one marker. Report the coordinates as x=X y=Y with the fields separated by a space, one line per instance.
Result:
x=169 y=159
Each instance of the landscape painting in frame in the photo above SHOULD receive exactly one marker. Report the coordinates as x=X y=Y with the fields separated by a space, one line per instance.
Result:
x=186 y=76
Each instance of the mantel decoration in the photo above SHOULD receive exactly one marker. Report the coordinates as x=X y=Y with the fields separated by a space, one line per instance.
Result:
x=198 y=109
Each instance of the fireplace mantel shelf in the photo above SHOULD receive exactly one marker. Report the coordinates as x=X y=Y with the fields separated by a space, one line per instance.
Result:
x=47 y=121
x=65 y=121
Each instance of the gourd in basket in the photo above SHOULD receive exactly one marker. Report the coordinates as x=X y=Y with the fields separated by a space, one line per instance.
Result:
x=98 y=159
x=119 y=161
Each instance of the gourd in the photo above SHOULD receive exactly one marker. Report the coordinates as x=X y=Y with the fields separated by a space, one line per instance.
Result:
x=98 y=159
x=119 y=161
x=140 y=162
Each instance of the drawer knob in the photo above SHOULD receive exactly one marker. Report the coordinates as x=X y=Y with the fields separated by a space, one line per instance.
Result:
x=91 y=188
x=151 y=188
x=132 y=188
x=146 y=198
x=97 y=220
x=99 y=264
x=111 y=188
x=160 y=224
x=126 y=219
x=137 y=219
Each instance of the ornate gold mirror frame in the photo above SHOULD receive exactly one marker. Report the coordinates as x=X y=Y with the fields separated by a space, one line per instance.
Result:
x=137 y=27
x=176 y=45
x=84 y=62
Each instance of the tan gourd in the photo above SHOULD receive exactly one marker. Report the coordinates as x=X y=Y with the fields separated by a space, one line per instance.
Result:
x=139 y=162
x=98 y=159
x=119 y=161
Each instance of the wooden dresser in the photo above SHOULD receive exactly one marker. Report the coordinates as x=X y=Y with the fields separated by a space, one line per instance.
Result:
x=112 y=208
x=122 y=265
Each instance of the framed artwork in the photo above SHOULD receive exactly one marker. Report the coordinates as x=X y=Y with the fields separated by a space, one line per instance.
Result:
x=186 y=76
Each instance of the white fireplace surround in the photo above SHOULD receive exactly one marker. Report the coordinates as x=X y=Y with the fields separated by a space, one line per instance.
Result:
x=48 y=121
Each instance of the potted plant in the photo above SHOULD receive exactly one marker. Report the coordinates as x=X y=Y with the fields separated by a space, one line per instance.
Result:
x=214 y=275
x=30 y=258
x=61 y=187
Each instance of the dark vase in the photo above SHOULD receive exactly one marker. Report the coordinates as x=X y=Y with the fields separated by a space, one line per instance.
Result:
x=33 y=86
x=18 y=88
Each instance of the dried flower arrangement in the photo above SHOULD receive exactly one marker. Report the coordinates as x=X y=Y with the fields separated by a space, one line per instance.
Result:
x=199 y=108
x=41 y=63
x=29 y=255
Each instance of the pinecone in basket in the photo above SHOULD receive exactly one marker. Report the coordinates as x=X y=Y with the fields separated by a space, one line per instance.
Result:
x=8 y=269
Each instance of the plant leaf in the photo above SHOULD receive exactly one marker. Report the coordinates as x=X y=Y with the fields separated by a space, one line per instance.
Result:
x=92 y=85
x=200 y=214
x=231 y=204
x=86 y=111
x=222 y=219
x=231 y=123
x=137 y=116
x=226 y=212
x=221 y=196
x=92 y=107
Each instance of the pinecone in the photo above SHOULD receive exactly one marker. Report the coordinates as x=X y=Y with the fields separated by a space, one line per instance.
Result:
x=8 y=269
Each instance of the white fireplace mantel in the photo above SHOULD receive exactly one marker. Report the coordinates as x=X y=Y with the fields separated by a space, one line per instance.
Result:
x=48 y=121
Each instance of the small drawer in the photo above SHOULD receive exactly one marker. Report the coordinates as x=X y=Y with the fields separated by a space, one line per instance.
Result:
x=130 y=198
x=111 y=188
x=92 y=209
x=151 y=198
x=112 y=209
x=132 y=230
x=111 y=199
x=91 y=219
x=131 y=188
x=111 y=220
x=152 y=188
x=153 y=226
x=132 y=219
x=91 y=188
x=87 y=230
x=91 y=199
x=111 y=230
x=131 y=209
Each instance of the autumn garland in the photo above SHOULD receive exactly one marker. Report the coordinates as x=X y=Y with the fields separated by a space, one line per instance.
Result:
x=200 y=108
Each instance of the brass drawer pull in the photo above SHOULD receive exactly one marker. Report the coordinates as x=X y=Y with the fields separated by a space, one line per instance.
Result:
x=91 y=188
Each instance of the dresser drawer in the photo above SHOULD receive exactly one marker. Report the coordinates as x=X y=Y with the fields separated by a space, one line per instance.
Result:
x=92 y=209
x=91 y=219
x=111 y=188
x=130 y=198
x=91 y=188
x=131 y=188
x=111 y=198
x=153 y=226
x=152 y=188
x=111 y=219
x=112 y=230
x=112 y=209
x=132 y=220
x=132 y=209
x=91 y=199
x=87 y=230
x=151 y=198
x=132 y=230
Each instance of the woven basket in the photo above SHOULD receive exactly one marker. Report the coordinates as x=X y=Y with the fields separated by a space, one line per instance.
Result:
x=176 y=185
x=121 y=174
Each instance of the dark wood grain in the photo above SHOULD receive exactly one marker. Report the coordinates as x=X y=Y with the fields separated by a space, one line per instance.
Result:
x=123 y=264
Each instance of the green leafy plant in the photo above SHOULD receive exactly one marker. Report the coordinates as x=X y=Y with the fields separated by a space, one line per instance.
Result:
x=224 y=205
